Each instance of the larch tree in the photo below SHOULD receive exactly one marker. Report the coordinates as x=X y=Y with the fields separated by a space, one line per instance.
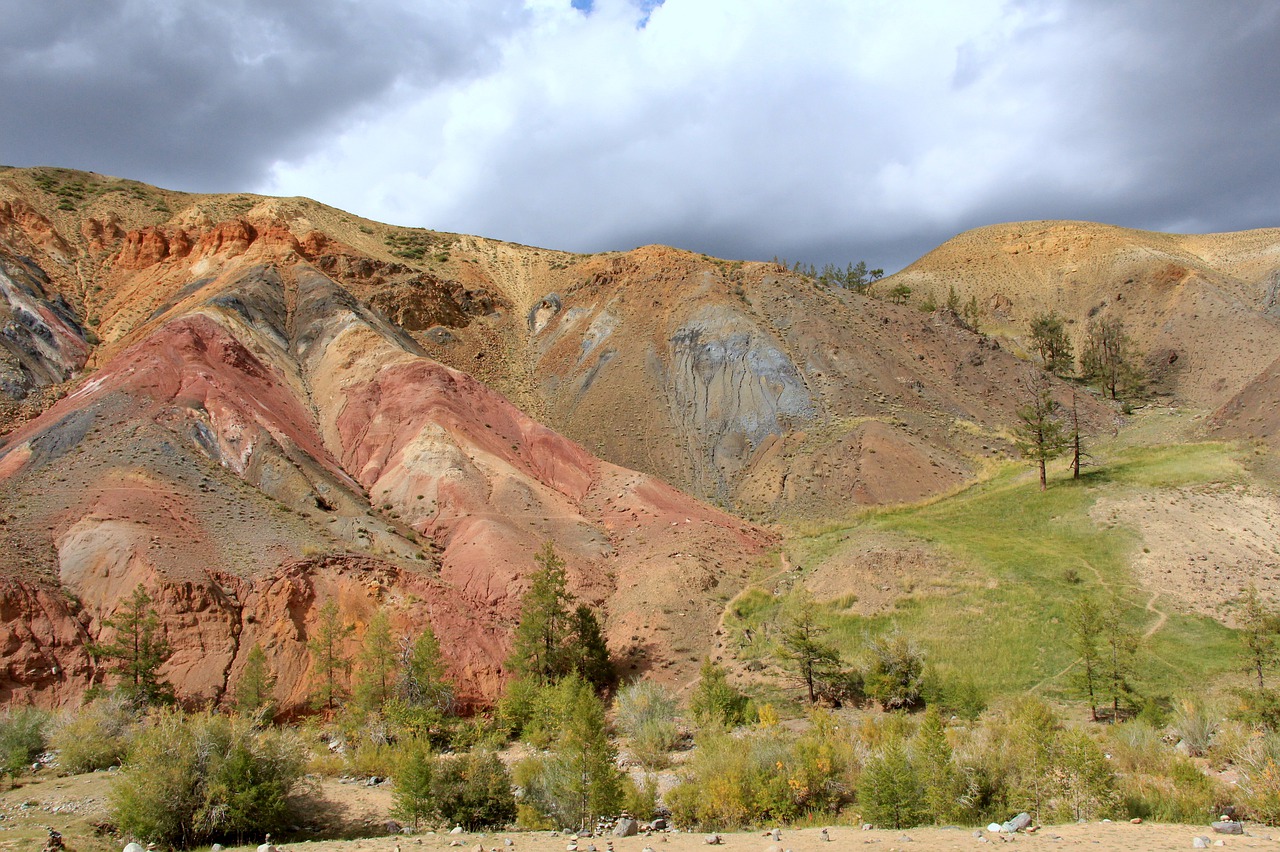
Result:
x=254 y=693
x=378 y=664
x=1039 y=434
x=329 y=661
x=1084 y=623
x=1107 y=358
x=137 y=650
x=1051 y=342
x=801 y=646
x=1258 y=627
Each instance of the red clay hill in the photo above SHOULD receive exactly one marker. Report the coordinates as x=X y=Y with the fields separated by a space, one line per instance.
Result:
x=254 y=405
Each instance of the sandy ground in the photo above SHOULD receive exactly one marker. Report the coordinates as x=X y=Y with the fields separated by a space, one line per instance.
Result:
x=1117 y=836
x=74 y=804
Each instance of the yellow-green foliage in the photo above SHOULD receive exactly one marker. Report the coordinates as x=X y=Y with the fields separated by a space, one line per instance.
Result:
x=93 y=737
x=765 y=776
x=192 y=779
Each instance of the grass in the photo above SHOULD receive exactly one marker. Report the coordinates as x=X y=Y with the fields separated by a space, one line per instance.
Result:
x=1020 y=558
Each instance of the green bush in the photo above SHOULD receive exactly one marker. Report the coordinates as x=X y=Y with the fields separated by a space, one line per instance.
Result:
x=646 y=713
x=766 y=776
x=473 y=790
x=22 y=738
x=717 y=702
x=195 y=779
x=94 y=737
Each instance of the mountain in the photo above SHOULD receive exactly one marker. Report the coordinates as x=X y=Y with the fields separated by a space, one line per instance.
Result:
x=252 y=405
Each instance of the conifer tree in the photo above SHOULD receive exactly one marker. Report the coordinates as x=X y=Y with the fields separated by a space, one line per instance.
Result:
x=137 y=651
x=1258 y=627
x=538 y=648
x=937 y=772
x=588 y=652
x=257 y=684
x=378 y=663
x=1050 y=341
x=1084 y=622
x=1119 y=645
x=1107 y=358
x=1039 y=435
x=801 y=647
x=583 y=777
x=329 y=662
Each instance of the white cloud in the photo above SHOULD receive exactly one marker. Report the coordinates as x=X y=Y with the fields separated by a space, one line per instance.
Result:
x=762 y=127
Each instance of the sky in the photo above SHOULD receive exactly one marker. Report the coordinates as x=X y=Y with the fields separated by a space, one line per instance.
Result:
x=811 y=130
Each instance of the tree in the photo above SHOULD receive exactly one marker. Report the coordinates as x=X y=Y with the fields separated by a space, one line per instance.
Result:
x=971 y=314
x=1258 y=626
x=890 y=791
x=801 y=647
x=423 y=699
x=329 y=662
x=587 y=652
x=1107 y=357
x=137 y=650
x=556 y=636
x=899 y=293
x=411 y=798
x=715 y=701
x=1075 y=437
x=1050 y=341
x=1039 y=435
x=378 y=664
x=582 y=777
x=1119 y=645
x=538 y=648
x=1084 y=622
x=937 y=772
x=257 y=685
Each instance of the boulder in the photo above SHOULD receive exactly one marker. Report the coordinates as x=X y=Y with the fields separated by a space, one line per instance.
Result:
x=626 y=827
x=1228 y=826
x=1016 y=824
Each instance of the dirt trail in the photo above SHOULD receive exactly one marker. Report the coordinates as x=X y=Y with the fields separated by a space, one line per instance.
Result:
x=1162 y=618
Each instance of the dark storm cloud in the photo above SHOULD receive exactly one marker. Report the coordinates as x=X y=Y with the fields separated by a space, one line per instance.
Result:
x=824 y=131
x=205 y=96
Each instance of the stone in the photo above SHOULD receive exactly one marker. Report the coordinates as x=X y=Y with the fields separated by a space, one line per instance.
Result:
x=777 y=835
x=658 y=824
x=1228 y=826
x=507 y=841
x=713 y=840
x=825 y=835
x=1136 y=821
x=626 y=827
x=457 y=829
x=217 y=847
x=993 y=827
x=1016 y=824
x=133 y=847
x=1200 y=842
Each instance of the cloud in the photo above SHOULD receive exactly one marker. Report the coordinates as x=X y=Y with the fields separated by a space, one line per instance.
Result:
x=829 y=130
x=205 y=96
x=824 y=131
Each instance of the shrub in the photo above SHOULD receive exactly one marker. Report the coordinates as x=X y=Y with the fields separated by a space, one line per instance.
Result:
x=22 y=738
x=765 y=776
x=193 y=779
x=1259 y=765
x=894 y=675
x=94 y=737
x=473 y=791
x=646 y=713
x=1195 y=723
x=716 y=701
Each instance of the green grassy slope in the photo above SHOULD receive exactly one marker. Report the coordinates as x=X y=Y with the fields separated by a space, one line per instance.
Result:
x=1018 y=559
